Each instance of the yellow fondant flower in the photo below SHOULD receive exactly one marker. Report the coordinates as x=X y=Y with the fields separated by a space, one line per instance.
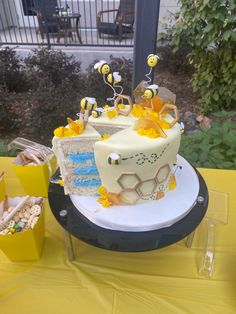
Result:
x=105 y=137
x=104 y=202
x=103 y=199
x=137 y=111
x=111 y=113
x=106 y=107
x=102 y=190
x=75 y=126
x=59 y=132
x=151 y=133
x=121 y=106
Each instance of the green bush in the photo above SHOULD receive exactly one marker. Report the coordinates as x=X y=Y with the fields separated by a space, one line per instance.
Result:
x=7 y=114
x=12 y=72
x=211 y=148
x=54 y=67
x=208 y=27
x=174 y=61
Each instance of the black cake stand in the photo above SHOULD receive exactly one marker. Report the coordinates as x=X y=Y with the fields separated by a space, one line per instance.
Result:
x=79 y=226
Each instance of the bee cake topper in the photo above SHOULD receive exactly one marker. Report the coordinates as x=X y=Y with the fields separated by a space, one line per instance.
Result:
x=112 y=80
x=87 y=104
x=150 y=92
x=152 y=61
x=104 y=69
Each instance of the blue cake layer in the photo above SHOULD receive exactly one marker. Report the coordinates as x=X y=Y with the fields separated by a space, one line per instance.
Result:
x=84 y=170
x=81 y=171
x=86 y=183
x=80 y=158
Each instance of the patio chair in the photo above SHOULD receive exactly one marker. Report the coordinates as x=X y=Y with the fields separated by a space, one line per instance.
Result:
x=123 y=22
x=45 y=9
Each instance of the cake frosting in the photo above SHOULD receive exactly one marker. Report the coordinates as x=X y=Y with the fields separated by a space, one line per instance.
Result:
x=123 y=153
x=145 y=166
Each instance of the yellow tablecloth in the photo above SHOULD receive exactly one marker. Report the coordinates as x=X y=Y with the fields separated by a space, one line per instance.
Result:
x=100 y=281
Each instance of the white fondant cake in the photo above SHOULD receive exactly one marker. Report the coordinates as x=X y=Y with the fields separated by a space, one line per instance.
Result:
x=130 y=167
x=145 y=165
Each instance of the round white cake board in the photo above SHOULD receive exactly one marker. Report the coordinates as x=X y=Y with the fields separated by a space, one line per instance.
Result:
x=147 y=216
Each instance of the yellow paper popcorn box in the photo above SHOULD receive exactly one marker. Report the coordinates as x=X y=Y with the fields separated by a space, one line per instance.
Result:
x=26 y=245
x=35 y=179
x=2 y=187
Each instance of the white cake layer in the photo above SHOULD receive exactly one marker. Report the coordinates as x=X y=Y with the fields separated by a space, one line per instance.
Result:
x=149 y=216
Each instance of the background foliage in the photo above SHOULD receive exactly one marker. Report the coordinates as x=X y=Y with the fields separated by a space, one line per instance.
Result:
x=45 y=93
x=212 y=148
x=12 y=74
x=207 y=27
x=49 y=85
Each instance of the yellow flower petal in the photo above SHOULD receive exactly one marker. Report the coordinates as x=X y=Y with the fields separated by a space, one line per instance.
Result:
x=111 y=113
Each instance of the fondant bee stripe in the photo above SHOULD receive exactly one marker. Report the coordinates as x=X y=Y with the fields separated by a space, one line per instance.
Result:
x=86 y=105
x=152 y=92
x=102 y=66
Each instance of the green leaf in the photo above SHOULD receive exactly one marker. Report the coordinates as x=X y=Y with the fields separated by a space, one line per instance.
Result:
x=208 y=28
x=228 y=34
x=227 y=164
x=203 y=156
x=224 y=114
x=230 y=152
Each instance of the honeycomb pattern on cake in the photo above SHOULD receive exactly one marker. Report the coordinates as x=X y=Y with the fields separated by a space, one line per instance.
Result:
x=133 y=188
x=129 y=181
x=162 y=174
x=147 y=187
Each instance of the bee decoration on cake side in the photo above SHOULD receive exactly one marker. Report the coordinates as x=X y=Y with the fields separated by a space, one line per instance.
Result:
x=182 y=127
x=103 y=67
x=152 y=61
x=114 y=159
x=151 y=91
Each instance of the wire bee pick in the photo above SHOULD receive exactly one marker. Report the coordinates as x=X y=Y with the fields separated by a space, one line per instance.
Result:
x=114 y=78
x=152 y=61
x=86 y=104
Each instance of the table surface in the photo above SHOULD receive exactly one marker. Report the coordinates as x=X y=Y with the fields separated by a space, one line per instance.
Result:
x=100 y=281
